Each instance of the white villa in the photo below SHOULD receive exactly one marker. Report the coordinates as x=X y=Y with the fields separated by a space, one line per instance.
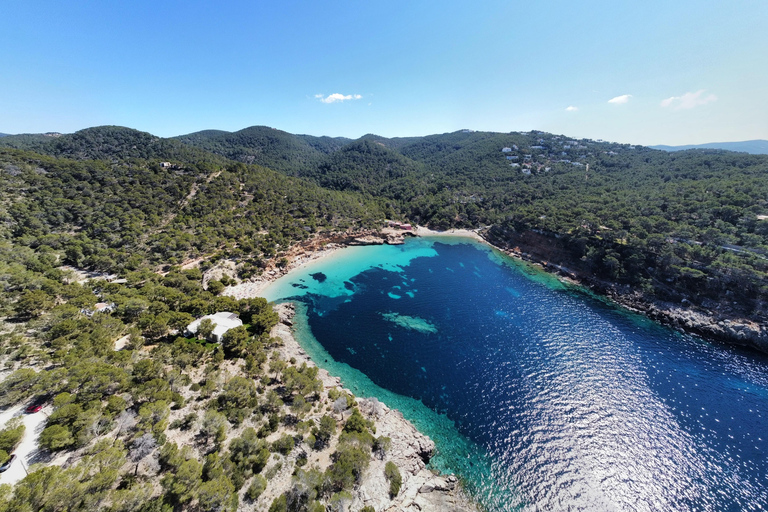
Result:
x=222 y=322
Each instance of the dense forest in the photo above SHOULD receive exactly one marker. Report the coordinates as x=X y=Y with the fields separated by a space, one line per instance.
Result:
x=685 y=226
x=689 y=227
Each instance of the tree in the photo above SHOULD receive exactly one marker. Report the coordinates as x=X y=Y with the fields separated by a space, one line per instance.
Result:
x=183 y=485
x=56 y=437
x=279 y=504
x=235 y=341
x=349 y=464
x=238 y=398
x=205 y=329
x=33 y=303
x=257 y=488
x=215 y=287
x=154 y=416
x=217 y=495
x=11 y=435
x=214 y=426
x=249 y=453
x=283 y=445
x=324 y=432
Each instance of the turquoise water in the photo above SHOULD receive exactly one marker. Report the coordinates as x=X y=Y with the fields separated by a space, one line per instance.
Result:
x=538 y=395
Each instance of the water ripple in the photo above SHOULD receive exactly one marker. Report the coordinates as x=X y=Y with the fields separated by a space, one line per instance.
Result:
x=578 y=405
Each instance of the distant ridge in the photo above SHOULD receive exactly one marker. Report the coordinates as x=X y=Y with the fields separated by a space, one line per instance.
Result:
x=4 y=134
x=754 y=147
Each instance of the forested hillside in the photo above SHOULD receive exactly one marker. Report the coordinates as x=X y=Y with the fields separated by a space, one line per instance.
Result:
x=689 y=227
x=686 y=225
x=262 y=145
x=113 y=143
x=139 y=417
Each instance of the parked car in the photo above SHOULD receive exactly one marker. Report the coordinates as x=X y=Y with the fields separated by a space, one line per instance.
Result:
x=36 y=405
x=7 y=464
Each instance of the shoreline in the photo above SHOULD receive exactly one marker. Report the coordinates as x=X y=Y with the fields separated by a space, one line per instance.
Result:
x=422 y=490
x=324 y=246
x=710 y=325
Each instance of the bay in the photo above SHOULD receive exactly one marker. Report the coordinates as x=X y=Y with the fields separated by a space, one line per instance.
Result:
x=537 y=394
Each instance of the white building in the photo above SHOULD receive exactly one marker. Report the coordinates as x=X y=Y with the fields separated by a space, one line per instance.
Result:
x=222 y=322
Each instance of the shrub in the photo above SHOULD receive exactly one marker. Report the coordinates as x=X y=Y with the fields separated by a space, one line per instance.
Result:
x=283 y=445
x=257 y=488
x=394 y=477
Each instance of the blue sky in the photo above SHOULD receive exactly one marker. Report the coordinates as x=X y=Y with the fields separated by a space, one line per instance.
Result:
x=677 y=71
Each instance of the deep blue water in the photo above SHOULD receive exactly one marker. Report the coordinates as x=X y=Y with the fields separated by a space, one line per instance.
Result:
x=543 y=396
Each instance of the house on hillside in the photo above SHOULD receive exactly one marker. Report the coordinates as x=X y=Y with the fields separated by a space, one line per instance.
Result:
x=506 y=150
x=222 y=322
x=99 y=307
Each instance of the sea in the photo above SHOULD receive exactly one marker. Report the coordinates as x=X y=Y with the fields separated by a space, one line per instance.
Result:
x=538 y=394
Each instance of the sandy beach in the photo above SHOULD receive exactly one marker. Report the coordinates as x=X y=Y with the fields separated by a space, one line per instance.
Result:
x=305 y=253
x=469 y=233
x=253 y=287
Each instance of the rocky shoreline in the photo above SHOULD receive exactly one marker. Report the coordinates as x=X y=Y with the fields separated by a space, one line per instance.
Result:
x=715 y=325
x=422 y=490
x=687 y=318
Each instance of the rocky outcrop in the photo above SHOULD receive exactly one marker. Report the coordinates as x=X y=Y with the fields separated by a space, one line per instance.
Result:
x=367 y=240
x=737 y=331
x=387 y=236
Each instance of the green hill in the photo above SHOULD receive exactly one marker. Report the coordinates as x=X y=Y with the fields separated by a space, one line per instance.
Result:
x=109 y=143
x=755 y=147
x=687 y=225
x=261 y=145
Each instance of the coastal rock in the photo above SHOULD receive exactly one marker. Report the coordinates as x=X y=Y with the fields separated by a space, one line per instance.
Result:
x=367 y=240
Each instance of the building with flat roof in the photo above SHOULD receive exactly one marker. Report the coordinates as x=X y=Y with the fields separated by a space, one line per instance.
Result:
x=222 y=322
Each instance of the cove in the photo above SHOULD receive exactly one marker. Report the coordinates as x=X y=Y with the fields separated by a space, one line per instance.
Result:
x=537 y=394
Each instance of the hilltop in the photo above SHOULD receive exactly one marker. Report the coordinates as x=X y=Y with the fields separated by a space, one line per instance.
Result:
x=755 y=147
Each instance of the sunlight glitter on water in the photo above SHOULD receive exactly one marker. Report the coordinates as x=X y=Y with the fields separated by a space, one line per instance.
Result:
x=572 y=403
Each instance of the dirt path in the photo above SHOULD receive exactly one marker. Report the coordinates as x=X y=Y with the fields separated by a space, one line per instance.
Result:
x=27 y=452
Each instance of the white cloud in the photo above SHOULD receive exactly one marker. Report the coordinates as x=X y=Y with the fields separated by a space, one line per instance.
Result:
x=337 y=97
x=620 y=100
x=572 y=109
x=688 y=100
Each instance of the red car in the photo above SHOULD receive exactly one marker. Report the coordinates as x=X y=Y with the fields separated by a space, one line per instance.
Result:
x=33 y=408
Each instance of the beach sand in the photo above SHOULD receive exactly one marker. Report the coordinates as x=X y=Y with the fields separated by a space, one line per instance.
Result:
x=303 y=254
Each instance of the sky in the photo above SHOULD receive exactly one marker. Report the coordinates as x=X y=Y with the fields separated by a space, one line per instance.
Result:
x=651 y=72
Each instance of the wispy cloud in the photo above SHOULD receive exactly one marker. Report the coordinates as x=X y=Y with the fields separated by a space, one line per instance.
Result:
x=572 y=109
x=688 y=100
x=620 y=100
x=337 y=97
